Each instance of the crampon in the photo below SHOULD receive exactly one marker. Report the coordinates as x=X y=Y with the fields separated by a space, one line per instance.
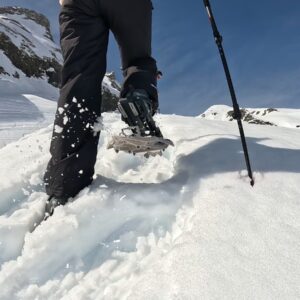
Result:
x=142 y=135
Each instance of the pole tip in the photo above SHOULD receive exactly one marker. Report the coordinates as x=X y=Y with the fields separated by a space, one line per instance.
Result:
x=252 y=182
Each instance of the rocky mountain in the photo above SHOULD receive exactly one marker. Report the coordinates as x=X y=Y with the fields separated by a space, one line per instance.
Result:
x=110 y=92
x=27 y=43
x=261 y=116
x=30 y=63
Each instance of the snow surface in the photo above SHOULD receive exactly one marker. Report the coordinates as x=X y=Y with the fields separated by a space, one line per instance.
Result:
x=21 y=116
x=186 y=225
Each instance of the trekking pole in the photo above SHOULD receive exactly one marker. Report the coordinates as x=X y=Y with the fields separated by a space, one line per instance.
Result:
x=236 y=109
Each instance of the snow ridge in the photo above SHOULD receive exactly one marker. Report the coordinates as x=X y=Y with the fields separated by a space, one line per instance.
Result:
x=29 y=31
x=30 y=64
x=262 y=116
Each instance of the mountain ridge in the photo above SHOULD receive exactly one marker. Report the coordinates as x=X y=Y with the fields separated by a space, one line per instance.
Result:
x=284 y=117
x=26 y=40
x=30 y=65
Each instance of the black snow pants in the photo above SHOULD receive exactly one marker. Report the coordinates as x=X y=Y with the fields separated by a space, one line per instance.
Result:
x=84 y=29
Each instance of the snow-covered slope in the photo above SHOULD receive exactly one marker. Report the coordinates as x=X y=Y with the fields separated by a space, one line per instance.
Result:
x=262 y=116
x=186 y=225
x=29 y=31
x=29 y=59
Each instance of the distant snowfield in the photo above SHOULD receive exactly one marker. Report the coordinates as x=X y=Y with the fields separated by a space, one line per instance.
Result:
x=186 y=225
x=23 y=115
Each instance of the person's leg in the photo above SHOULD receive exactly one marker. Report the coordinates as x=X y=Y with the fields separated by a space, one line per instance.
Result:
x=84 y=39
x=131 y=24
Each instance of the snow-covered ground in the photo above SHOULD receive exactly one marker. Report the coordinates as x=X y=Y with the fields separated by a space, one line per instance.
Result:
x=28 y=35
x=186 y=225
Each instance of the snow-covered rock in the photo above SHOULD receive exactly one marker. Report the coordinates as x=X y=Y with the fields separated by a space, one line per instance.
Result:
x=110 y=92
x=186 y=225
x=262 y=116
x=27 y=47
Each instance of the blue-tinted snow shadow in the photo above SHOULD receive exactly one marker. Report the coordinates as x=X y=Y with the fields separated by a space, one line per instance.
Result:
x=18 y=108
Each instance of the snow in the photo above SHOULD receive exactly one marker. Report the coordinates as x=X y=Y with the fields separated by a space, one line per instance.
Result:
x=186 y=225
x=107 y=84
x=22 y=115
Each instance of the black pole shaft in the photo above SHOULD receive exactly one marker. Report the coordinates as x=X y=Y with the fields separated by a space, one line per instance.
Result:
x=236 y=109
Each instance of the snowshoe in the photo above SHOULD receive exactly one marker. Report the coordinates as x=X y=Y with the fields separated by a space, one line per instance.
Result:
x=142 y=135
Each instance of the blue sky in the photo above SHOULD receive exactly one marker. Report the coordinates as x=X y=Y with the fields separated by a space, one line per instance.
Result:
x=261 y=41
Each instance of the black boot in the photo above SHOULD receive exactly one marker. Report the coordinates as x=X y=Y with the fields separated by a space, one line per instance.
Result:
x=137 y=110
